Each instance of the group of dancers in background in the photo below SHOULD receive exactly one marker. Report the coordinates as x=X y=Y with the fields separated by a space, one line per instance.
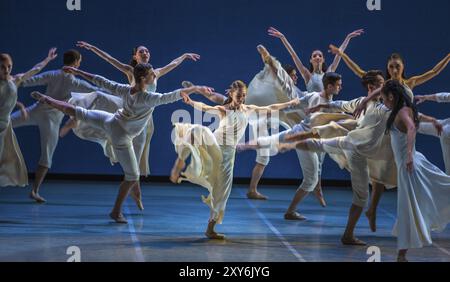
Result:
x=372 y=136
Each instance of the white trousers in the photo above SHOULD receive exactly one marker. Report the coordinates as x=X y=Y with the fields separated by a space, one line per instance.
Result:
x=428 y=129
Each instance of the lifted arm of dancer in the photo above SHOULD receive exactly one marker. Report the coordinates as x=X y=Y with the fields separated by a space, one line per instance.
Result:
x=20 y=78
x=306 y=74
x=217 y=110
x=349 y=62
x=125 y=68
x=420 y=79
x=337 y=58
x=113 y=87
x=443 y=97
x=434 y=121
x=175 y=63
x=275 y=107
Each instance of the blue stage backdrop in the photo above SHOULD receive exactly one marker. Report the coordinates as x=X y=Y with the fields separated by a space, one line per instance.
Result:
x=225 y=34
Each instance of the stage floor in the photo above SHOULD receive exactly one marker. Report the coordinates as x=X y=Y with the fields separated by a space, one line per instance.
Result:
x=171 y=226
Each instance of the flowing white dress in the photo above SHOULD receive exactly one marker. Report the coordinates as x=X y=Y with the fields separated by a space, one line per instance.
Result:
x=212 y=157
x=423 y=203
x=13 y=171
x=102 y=101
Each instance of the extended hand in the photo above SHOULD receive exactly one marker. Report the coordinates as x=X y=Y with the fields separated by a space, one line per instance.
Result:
x=192 y=56
x=275 y=33
x=52 y=54
x=85 y=45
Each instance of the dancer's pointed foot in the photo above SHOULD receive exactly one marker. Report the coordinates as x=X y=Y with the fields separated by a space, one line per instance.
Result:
x=352 y=241
x=265 y=55
x=118 y=218
x=294 y=216
x=187 y=84
x=69 y=125
x=372 y=217
x=319 y=195
x=176 y=171
x=35 y=196
x=136 y=195
x=38 y=96
x=214 y=236
x=256 y=196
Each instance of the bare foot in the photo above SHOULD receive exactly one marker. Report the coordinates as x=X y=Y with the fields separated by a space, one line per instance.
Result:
x=352 y=241
x=38 y=96
x=136 y=195
x=187 y=84
x=118 y=218
x=35 y=196
x=215 y=236
x=294 y=216
x=372 y=217
x=71 y=123
x=264 y=53
x=256 y=196
x=319 y=195
x=176 y=171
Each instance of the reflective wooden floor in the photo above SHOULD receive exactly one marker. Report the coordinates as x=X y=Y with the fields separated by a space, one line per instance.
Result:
x=171 y=226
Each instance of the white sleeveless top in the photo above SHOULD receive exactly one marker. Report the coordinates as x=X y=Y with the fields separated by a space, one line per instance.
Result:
x=315 y=83
x=232 y=127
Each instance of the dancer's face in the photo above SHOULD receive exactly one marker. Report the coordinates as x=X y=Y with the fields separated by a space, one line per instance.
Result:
x=5 y=68
x=379 y=82
x=142 y=55
x=395 y=69
x=150 y=78
x=388 y=100
x=294 y=76
x=317 y=59
x=238 y=96
x=334 y=89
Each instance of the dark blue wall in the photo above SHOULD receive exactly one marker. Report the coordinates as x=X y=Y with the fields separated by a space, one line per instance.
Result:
x=225 y=33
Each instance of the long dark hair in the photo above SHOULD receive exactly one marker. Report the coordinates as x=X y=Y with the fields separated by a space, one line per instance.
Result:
x=401 y=99
x=395 y=56
x=237 y=85
x=141 y=70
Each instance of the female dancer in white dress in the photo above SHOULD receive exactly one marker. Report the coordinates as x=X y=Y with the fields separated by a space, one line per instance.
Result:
x=445 y=136
x=396 y=70
x=212 y=154
x=124 y=125
x=13 y=171
x=313 y=80
x=423 y=203
x=110 y=103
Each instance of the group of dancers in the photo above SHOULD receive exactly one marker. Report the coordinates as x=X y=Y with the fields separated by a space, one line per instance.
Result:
x=372 y=136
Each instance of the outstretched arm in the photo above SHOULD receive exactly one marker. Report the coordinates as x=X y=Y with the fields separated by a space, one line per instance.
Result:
x=434 y=121
x=111 y=86
x=337 y=58
x=306 y=74
x=275 y=107
x=20 y=78
x=350 y=63
x=199 y=105
x=443 y=97
x=126 y=69
x=420 y=79
x=175 y=63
